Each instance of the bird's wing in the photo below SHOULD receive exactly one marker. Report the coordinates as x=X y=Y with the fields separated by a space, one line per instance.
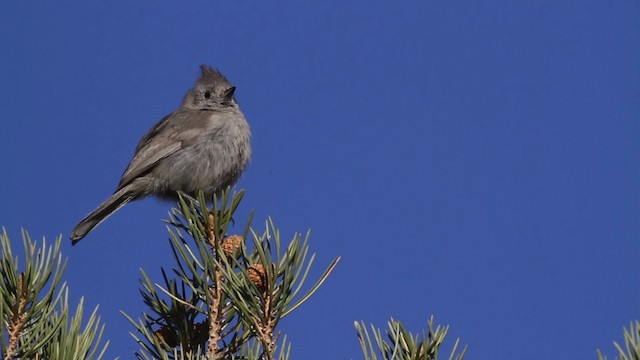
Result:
x=171 y=134
x=147 y=157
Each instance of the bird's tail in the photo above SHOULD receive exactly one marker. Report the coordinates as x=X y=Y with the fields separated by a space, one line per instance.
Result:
x=119 y=199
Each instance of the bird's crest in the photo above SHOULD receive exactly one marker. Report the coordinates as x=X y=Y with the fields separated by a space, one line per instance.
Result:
x=209 y=75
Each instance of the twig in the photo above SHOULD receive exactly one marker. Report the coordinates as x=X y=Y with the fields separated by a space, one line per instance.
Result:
x=265 y=331
x=215 y=291
x=17 y=320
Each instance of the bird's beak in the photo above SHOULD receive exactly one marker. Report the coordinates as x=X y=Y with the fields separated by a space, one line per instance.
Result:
x=228 y=94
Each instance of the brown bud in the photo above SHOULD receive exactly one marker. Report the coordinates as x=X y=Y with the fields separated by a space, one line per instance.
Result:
x=231 y=245
x=168 y=336
x=257 y=275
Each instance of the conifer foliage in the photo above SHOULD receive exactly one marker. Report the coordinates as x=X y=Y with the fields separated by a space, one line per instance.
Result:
x=226 y=293
x=34 y=307
x=223 y=298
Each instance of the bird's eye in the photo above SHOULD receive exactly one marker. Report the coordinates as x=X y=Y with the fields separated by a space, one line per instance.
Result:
x=207 y=94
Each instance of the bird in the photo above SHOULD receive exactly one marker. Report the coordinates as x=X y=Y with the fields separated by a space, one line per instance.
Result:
x=205 y=145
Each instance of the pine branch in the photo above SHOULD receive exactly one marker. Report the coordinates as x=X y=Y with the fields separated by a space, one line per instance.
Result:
x=34 y=307
x=215 y=310
x=229 y=291
x=18 y=319
x=631 y=350
x=399 y=344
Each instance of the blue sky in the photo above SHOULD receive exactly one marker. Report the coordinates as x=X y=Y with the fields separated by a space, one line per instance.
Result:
x=475 y=160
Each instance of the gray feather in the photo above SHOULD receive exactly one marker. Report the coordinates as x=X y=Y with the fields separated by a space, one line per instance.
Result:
x=204 y=145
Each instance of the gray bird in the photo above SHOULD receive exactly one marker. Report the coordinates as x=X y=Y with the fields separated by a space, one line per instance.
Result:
x=204 y=145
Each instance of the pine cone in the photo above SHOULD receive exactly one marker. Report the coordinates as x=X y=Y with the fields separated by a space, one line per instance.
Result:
x=231 y=245
x=257 y=275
